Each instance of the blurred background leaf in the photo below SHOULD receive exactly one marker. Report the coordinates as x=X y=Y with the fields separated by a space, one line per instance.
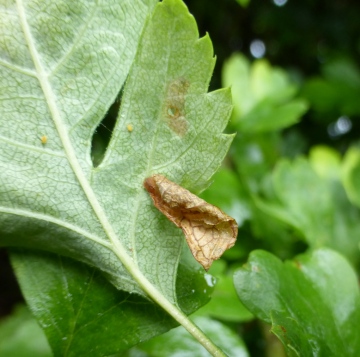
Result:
x=21 y=336
x=262 y=96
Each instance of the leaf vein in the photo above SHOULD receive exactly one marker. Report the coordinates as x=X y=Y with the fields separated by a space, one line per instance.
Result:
x=17 y=69
x=40 y=150
x=59 y=222
x=80 y=35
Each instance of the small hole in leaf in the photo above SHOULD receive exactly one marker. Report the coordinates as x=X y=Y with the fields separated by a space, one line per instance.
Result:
x=103 y=132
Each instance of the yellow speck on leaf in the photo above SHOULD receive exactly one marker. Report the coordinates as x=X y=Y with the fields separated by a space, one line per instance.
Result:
x=130 y=128
x=44 y=139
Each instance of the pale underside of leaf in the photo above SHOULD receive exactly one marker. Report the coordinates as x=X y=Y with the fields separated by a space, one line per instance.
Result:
x=61 y=89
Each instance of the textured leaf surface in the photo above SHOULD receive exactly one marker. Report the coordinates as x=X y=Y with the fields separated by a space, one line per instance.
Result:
x=52 y=189
x=69 y=64
x=313 y=302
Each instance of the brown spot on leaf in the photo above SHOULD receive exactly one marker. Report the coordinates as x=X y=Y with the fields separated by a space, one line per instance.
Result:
x=208 y=230
x=174 y=110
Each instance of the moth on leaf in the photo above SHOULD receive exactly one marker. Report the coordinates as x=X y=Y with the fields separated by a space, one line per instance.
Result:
x=208 y=230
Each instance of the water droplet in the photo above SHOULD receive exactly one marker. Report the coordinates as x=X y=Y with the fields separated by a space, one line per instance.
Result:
x=210 y=280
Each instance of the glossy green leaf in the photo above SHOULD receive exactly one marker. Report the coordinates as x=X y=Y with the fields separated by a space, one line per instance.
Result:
x=194 y=286
x=262 y=96
x=313 y=302
x=85 y=306
x=74 y=304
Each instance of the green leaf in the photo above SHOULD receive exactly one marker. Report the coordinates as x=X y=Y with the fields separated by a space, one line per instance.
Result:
x=305 y=200
x=60 y=84
x=21 y=336
x=114 y=189
x=70 y=87
x=313 y=302
x=193 y=285
x=178 y=343
x=267 y=116
x=227 y=193
x=112 y=194
x=254 y=155
x=243 y=3
x=322 y=95
x=337 y=90
x=262 y=96
x=224 y=304
x=85 y=306
x=351 y=173
x=325 y=161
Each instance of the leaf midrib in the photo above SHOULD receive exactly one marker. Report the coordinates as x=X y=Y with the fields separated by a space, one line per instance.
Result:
x=50 y=98
x=116 y=245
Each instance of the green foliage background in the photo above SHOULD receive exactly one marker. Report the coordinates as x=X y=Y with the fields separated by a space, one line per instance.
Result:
x=294 y=187
x=291 y=179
